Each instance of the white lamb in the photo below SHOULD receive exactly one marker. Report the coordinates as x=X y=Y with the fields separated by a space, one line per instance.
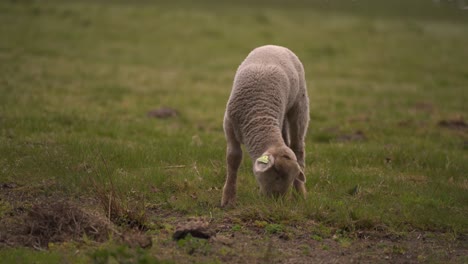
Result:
x=268 y=112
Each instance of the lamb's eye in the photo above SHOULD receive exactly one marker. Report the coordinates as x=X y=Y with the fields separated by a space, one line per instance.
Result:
x=287 y=157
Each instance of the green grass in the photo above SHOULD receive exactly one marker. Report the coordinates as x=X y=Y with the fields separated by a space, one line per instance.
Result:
x=77 y=79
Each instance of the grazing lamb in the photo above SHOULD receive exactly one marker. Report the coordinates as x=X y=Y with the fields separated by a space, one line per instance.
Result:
x=268 y=112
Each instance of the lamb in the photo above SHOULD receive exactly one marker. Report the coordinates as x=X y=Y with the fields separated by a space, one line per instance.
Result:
x=268 y=112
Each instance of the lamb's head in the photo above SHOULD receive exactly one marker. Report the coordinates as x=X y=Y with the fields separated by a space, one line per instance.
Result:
x=276 y=170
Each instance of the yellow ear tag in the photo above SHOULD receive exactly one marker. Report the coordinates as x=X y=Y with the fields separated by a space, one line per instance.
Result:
x=263 y=159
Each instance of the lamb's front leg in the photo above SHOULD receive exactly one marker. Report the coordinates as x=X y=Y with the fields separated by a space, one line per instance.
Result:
x=297 y=147
x=299 y=182
x=233 y=160
x=298 y=128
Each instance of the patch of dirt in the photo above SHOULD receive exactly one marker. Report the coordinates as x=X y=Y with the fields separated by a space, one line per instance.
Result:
x=137 y=239
x=163 y=112
x=298 y=244
x=195 y=227
x=412 y=123
x=405 y=123
x=455 y=124
x=51 y=220
x=8 y=185
x=426 y=107
x=34 y=219
x=355 y=136
x=30 y=217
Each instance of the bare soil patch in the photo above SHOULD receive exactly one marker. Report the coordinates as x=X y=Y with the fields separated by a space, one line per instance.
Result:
x=426 y=107
x=35 y=219
x=354 y=136
x=299 y=244
x=36 y=222
x=455 y=124
x=52 y=221
x=163 y=112
x=194 y=227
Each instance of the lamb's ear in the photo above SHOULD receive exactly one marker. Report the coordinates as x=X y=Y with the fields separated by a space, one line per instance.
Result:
x=264 y=162
x=301 y=177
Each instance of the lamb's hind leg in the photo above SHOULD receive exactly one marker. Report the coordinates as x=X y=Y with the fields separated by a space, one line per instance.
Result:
x=298 y=122
x=233 y=160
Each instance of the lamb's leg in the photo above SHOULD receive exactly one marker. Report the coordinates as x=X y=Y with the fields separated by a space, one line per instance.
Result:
x=298 y=122
x=233 y=160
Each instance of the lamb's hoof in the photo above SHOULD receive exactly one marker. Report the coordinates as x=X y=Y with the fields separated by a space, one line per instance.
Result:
x=228 y=203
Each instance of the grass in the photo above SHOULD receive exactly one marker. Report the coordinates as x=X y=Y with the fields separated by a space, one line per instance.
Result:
x=77 y=79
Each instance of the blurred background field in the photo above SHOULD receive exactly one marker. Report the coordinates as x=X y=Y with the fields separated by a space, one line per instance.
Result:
x=387 y=80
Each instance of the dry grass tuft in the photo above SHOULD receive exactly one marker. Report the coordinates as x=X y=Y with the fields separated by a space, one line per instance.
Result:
x=116 y=206
x=52 y=221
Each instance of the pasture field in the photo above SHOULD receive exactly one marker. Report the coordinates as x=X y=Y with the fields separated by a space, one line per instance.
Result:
x=91 y=172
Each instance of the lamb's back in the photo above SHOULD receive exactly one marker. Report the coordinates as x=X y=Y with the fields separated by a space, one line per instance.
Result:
x=279 y=56
x=265 y=87
x=267 y=82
